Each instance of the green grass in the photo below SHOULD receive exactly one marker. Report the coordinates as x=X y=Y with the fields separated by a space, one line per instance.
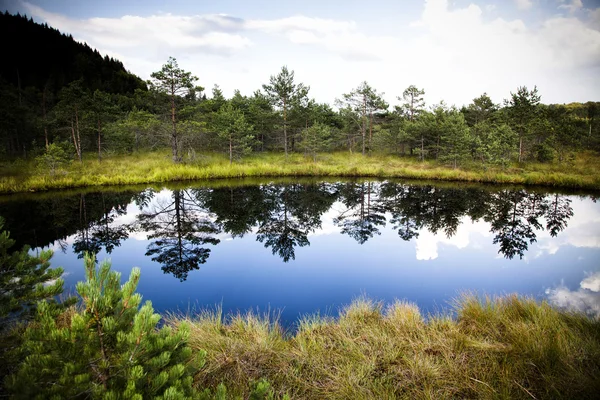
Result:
x=157 y=167
x=507 y=348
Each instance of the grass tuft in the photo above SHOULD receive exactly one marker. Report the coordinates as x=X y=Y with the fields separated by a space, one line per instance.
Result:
x=509 y=347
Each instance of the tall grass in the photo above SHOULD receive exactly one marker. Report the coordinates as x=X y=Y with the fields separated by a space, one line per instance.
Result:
x=507 y=348
x=156 y=167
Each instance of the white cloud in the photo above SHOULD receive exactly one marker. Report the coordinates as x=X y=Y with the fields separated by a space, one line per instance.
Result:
x=155 y=36
x=454 y=54
x=594 y=18
x=523 y=4
x=572 y=6
x=585 y=299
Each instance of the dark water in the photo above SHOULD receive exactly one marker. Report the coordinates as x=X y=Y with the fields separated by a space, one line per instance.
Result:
x=312 y=247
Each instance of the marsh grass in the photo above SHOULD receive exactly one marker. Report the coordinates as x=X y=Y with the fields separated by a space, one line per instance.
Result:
x=506 y=348
x=156 y=167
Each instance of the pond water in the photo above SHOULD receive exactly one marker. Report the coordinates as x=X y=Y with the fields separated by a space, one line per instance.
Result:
x=297 y=248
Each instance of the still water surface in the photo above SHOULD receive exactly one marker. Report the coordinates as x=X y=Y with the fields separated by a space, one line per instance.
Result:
x=300 y=248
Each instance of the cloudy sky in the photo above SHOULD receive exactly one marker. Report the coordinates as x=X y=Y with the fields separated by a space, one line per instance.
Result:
x=455 y=50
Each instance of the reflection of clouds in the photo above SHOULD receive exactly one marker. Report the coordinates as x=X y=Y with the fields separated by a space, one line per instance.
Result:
x=327 y=225
x=127 y=218
x=53 y=281
x=586 y=299
x=592 y=282
x=427 y=242
x=583 y=229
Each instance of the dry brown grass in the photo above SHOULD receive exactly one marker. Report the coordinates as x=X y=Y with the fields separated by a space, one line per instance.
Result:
x=508 y=348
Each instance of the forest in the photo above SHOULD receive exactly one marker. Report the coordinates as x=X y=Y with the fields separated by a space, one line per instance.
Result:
x=60 y=99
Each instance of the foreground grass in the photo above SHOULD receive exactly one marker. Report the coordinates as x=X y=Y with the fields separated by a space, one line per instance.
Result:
x=156 y=167
x=507 y=348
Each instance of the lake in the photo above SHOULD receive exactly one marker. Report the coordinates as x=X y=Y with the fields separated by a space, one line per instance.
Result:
x=305 y=247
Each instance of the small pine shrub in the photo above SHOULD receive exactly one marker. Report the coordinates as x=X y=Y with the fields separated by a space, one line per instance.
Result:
x=53 y=159
x=24 y=280
x=111 y=349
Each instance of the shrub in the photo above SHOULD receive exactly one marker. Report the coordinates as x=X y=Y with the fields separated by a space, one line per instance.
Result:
x=110 y=349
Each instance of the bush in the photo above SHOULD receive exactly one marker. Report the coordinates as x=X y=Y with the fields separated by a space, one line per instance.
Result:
x=52 y=159
x=111 y=349
x=24 y=280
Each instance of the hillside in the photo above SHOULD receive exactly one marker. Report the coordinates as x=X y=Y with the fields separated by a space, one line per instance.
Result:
x=39 y=56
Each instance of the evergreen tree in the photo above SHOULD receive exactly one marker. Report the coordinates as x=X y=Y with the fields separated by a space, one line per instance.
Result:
x=523 y=111
x=455 y=138
x=494 y=143
x=53 y=158
x=233 y=130
x=111 y=349
x=24 y=280
x=316 y=138
x=284 y=94
x=175 y=82
x=362 y=104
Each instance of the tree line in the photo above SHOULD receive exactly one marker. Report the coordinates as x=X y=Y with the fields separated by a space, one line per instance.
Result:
x=87 y=111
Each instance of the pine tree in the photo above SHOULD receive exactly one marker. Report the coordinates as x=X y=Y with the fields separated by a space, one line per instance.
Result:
x=24 y=280
x=233 y=130
x=111 y=349
x=316 y=138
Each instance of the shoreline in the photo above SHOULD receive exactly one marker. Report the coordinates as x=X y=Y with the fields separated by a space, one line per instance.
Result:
x=155 y=168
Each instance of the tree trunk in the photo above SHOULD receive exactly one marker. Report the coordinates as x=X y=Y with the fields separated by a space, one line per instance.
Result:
x=73 y=136
x=364 y=124
x=174 y=144
x=45 y=120
x=285 y=128
x=99 y=141
x=422 y=148
x=230 y=151
x=370 y=131
x=520 y=147
x=78 y=136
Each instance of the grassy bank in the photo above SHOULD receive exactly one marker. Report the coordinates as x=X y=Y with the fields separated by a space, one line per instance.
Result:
x=156 y=167
x=509 y=348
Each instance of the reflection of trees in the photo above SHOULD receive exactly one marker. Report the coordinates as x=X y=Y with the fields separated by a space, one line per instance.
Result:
x=558 y=213
x=362 y=218
x=514 y=215
x=100 y=232
x=512 y=220
x=40 y=221
x=281 y=215
x=237 y=209
x=293 y=212
x=178 y=228
x=437 y=209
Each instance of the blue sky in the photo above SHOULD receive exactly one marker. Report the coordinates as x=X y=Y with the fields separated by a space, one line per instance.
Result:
x=454 y=50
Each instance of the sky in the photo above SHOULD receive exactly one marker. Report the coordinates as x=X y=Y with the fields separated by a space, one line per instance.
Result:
x=454 y=50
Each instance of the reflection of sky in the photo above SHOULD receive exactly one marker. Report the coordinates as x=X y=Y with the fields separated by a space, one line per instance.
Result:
x=429 y=270
x=586 y=298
